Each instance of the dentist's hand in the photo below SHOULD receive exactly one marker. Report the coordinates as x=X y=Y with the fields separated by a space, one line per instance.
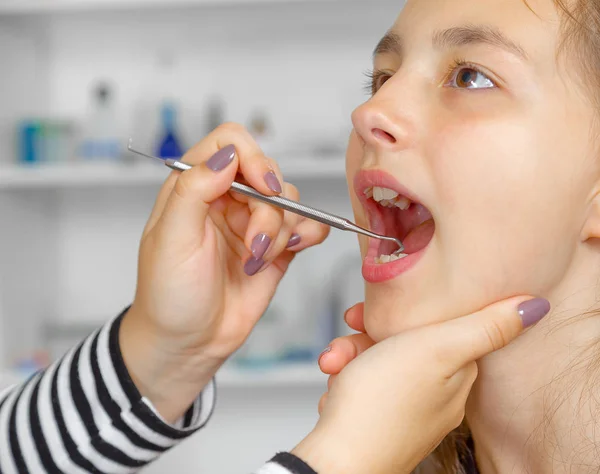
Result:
x=209 y=264
x=395 y=401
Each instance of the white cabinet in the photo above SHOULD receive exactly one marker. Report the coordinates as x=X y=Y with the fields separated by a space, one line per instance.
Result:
x=69 y=233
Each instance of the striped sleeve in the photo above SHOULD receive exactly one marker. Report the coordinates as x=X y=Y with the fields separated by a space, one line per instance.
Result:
x=84 y=415
x=285 y=463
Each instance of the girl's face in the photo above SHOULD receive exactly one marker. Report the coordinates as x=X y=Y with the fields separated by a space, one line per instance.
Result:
x=478 y=119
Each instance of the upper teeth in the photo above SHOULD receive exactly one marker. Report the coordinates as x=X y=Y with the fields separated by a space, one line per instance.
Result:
x=387 y=197
x=379 y=194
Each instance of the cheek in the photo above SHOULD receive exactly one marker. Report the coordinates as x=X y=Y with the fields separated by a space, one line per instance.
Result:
x=504 y=192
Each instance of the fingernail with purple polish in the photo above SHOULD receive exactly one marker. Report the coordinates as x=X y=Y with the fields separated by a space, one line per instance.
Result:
x=259 y=246
x=533 y=310
x=294 y=240
x=273 y=183
x=221 y=159
x=253 y=265
x=328 y=349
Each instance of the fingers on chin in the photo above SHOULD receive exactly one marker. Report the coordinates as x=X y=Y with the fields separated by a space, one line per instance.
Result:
x=322 y=403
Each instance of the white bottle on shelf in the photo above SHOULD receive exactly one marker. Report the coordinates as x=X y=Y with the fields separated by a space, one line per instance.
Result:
x=101 y=132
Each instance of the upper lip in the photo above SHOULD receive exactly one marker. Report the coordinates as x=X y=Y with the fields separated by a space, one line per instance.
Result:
x=365 y=179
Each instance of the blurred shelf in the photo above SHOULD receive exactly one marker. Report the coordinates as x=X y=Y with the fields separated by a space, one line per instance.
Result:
x=24 y=7
x=73 y=175
x=285 y=375
x=231 y=375
x=111 y=174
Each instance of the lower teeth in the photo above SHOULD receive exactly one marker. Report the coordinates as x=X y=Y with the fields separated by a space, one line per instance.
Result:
x=389 y=258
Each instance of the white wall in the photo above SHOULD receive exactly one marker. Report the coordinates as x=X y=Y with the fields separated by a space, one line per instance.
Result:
x=71 y=254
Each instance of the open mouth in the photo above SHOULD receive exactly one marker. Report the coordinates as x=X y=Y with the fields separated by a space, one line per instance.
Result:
x=397 y=216
x=393 y=211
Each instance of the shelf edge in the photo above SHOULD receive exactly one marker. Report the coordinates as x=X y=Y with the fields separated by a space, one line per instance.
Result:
x=22 y=177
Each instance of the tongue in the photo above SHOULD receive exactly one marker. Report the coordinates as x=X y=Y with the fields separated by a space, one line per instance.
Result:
x=418 y=238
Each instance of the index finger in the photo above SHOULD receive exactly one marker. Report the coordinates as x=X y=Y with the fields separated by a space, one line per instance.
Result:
x=469 y=338
x=256 y=168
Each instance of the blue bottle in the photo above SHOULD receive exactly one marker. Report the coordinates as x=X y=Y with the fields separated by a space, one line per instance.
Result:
x=170 y=145
x=29 y=142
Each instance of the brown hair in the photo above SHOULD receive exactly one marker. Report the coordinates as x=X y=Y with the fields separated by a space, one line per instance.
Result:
x=581 y=40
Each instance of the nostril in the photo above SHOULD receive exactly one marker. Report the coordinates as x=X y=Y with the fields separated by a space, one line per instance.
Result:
x=383 y=135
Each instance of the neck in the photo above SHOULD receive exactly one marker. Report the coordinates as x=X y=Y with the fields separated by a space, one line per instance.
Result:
x=532 y=407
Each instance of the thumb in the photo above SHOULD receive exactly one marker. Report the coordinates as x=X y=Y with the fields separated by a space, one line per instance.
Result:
x=355 y=317
x=188 y=204
x=467 y=339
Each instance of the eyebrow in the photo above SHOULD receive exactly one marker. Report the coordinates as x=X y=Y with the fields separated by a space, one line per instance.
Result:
x=455 y=37
x=390 y=43
x=474 y=34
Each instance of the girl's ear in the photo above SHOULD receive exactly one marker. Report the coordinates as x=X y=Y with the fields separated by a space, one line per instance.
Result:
x=591 y=226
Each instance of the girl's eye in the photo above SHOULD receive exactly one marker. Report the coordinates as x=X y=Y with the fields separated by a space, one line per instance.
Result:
x=376 y=80
x=467 y=77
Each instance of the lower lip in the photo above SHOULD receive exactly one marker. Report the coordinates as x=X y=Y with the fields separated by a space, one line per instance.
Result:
x=380 y=272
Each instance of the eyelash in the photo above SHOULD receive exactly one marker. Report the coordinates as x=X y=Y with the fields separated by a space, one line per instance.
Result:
x=374 y=76
x=371 y=85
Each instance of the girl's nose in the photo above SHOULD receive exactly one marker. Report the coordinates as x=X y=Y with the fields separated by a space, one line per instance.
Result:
x=381 y=124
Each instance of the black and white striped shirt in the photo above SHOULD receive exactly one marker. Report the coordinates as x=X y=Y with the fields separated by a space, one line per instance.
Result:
x=84 y=415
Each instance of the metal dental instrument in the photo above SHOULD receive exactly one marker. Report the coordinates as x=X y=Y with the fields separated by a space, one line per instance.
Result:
x=283 y=203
